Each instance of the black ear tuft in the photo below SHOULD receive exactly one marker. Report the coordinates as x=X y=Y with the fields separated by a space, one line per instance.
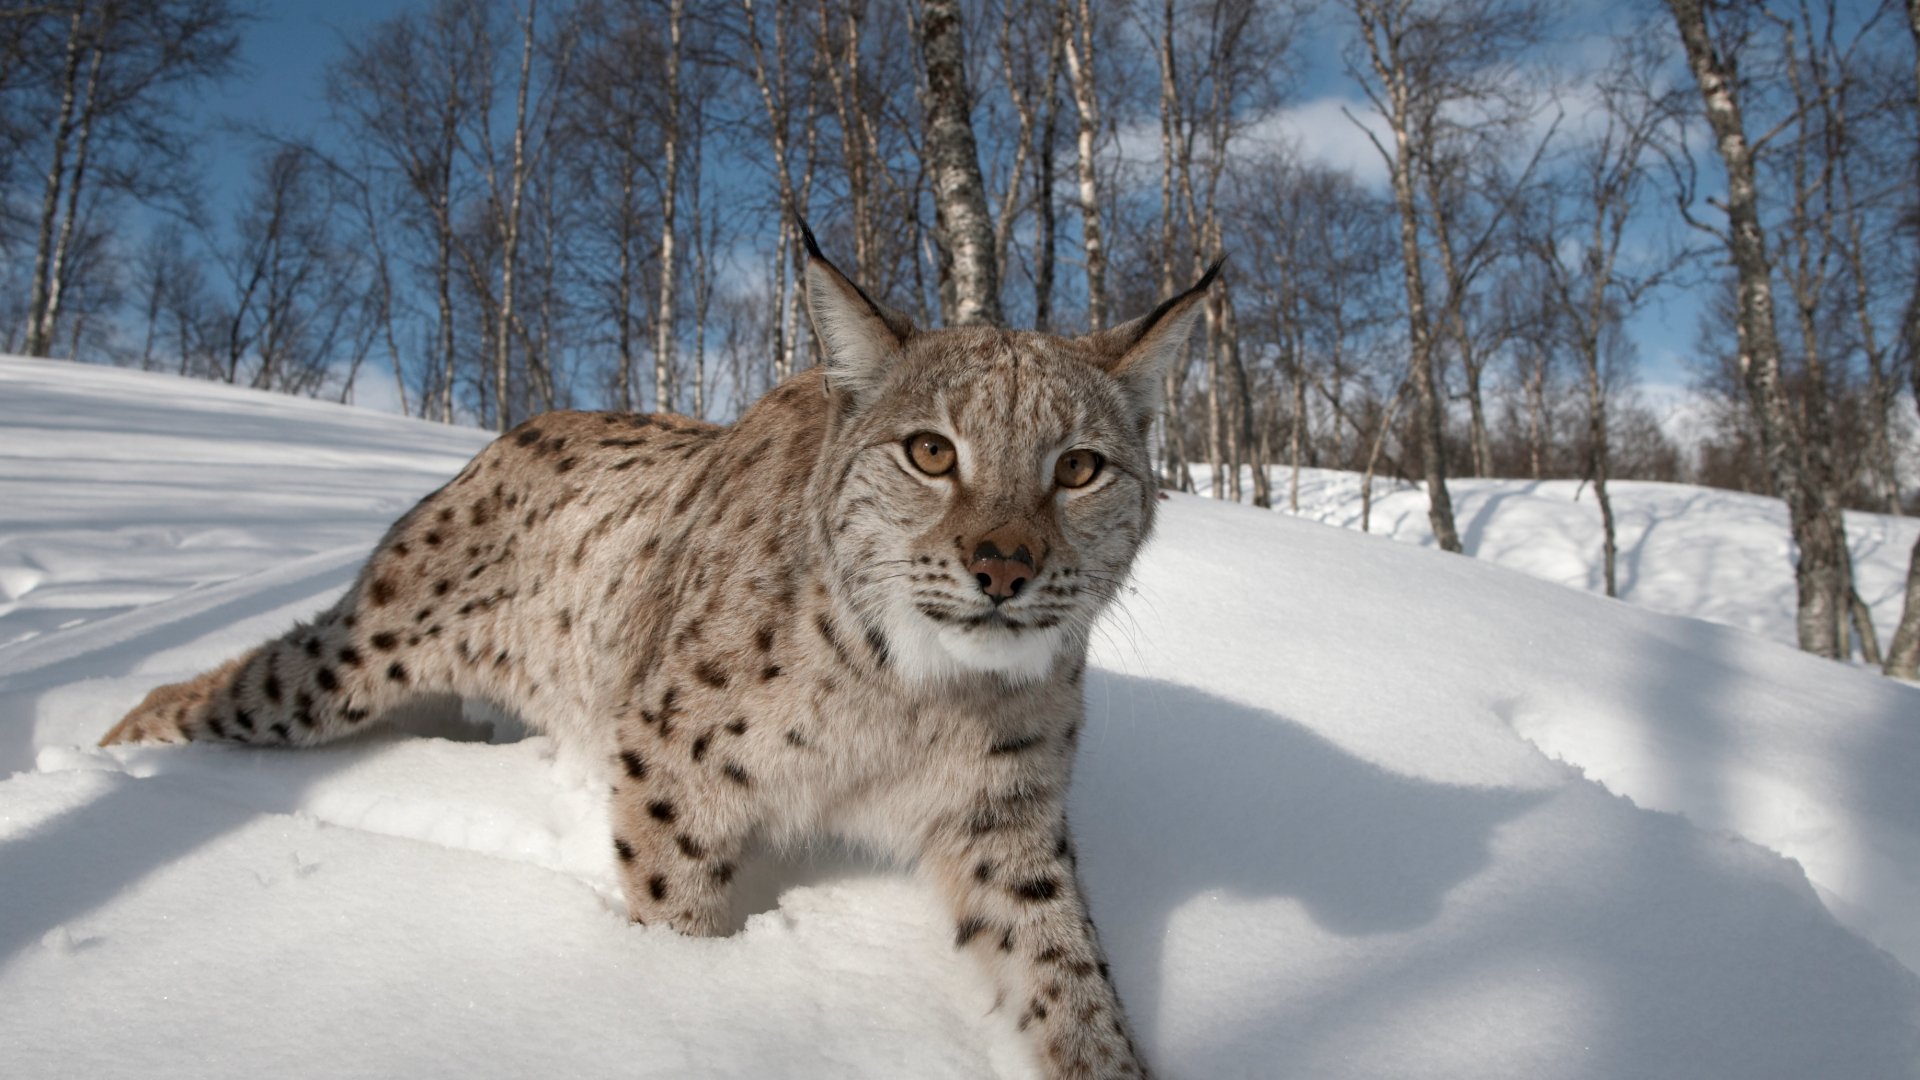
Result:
x=1198 y=288
x=813 y=246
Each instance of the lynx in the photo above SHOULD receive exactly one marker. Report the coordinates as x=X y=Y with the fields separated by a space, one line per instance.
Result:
x=863 y=610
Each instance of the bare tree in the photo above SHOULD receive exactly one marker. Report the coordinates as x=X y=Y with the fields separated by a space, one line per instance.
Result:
x=1417 y=61
x=1077 y=16
x=113 y=120
x=777 y=98
x=1387 y=28
x=1590 y=286
x=405 y=92
x=292 y=307
x=174 y=303
x=1238 y=57
x=670 y=145
x=1903 y=653
x=509 y=225
x=612 y=135
x=1711 y=43
x=1313 y=260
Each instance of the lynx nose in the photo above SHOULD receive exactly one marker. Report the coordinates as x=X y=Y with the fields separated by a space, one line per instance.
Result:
x=1002 y=563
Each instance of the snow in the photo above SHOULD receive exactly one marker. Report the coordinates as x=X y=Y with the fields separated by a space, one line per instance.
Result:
x=1685 y=550
x=1347 y=808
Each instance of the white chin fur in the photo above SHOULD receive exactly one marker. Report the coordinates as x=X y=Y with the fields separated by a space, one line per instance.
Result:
x=924 y=651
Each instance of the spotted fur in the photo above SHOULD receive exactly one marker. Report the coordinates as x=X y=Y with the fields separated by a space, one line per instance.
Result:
x=773 y=628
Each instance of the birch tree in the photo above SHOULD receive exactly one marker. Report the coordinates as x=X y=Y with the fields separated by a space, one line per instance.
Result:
x=109 y=115
x=1579 y=245
x=405 y=92
x=1387 y=29
x=1819 y=572
x=508 y=217
x=664 y=339
x=962 y=226
x=1903 y=653
x=1077 y=17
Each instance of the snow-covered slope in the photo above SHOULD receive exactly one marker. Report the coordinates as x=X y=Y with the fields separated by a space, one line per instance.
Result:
x=1684 y=550
x=1333 y=800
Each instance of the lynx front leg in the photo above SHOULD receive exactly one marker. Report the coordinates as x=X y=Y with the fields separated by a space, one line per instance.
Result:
x=677 y=837
x=1009 y=871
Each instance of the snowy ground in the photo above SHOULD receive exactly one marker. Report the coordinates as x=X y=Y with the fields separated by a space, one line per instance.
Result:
x=1684 y=550
x=1348 y=808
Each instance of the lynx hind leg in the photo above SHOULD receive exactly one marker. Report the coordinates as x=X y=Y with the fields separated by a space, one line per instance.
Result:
x=382 y=644
x=311 y=685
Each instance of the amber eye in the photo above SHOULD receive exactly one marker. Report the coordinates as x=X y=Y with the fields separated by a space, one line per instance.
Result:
x=1077 y=468
x=931 y=454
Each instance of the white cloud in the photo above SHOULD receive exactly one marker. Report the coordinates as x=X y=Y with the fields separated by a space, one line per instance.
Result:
x=1331 y=131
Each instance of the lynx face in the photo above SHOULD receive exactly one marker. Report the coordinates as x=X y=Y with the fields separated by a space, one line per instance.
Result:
x=996 y=487
x=985 y=491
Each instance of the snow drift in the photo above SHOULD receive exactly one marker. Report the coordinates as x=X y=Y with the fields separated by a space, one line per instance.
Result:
x=1347 y=808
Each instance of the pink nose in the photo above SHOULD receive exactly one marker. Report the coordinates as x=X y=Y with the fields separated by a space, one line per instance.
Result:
x=1001 y=574
x=1000 y=579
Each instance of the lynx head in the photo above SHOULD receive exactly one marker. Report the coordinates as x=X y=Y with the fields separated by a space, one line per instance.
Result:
x=983 y=491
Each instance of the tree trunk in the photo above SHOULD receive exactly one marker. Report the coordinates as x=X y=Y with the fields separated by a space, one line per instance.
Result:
x=962 y=226
x=1821 y=595
x=781 y=242
x=1881 y=393
x=1808 y=279
x=1243 y=393
x=39 y=328
x=774 y=99
x=1479 y=444
x=1216 y=450
x=1079 y=14
x=510 y=230
x=702 y=282
x=49 y=258
x=1536 y=416
x=1024 y=111
x=1373 y=455
x=1172 y=439
x=1430 y=395
x=1903 y=654
x=1455 y=316
x=443 y=233
x=1296 y=438
x=1044 y=227
x=623 y=287
x=663 y=331
x=63 y=247
x=1598 y=458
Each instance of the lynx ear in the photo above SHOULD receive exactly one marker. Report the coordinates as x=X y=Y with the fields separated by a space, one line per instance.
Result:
x=1138 y=353
x=858 y=337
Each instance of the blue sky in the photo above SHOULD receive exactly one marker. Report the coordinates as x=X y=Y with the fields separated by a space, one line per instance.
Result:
x=281 y=85
x=282 y=82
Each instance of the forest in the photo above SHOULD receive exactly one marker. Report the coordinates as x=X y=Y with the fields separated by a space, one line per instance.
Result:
x=520 y=205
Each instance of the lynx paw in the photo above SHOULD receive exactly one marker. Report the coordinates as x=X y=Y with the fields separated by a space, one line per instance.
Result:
x=170 y=713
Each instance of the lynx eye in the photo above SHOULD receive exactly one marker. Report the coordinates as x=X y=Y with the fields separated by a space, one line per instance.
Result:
x=930 y=453
x=1077 y=468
